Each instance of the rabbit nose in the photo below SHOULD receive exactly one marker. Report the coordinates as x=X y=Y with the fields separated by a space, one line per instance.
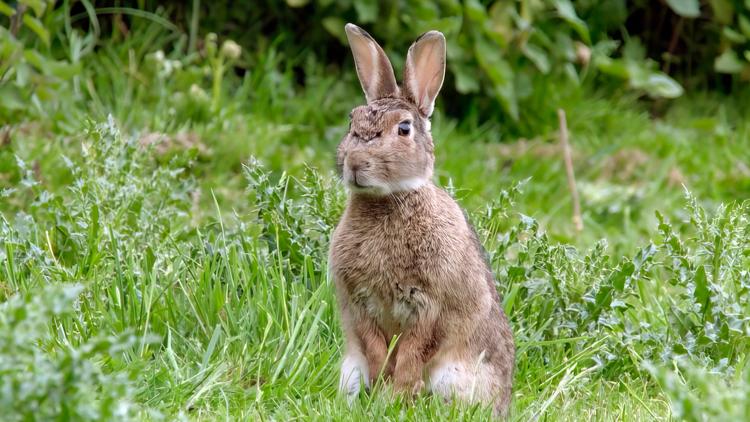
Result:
x=358 y=162
x=362 y=165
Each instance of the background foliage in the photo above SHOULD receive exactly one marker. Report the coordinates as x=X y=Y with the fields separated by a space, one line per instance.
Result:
x=166 y=198
x=511 y=54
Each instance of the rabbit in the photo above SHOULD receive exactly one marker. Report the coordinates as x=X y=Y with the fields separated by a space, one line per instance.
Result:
x=404 y=259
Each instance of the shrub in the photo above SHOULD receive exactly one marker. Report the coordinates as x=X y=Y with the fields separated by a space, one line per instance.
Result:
x=47 y=374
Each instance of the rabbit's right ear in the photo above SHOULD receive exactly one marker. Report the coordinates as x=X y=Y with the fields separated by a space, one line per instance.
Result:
x=373 y=67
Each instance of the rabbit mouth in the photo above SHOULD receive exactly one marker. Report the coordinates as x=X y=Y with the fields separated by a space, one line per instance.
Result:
x=357 y=180
x=357 y=184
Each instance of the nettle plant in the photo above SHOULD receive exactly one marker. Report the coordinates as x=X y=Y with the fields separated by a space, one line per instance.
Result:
x=675 y=298
x=295 y=217
x=679 y=297
x=118 y=200
x=710 y=282
x=46 y=375
x=72 y=302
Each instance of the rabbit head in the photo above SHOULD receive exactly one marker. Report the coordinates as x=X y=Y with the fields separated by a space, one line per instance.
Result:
x=388 y=147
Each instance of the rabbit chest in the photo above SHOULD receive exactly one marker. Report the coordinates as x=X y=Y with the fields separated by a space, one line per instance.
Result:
x=386 y=271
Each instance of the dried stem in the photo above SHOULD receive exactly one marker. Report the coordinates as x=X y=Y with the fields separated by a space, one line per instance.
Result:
x=17 y=19
x=567 y=155
x=673 y=44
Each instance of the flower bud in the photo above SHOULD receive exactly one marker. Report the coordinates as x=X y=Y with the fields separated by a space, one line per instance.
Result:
x=211 y=44
x=583 y=53
x=231 y=50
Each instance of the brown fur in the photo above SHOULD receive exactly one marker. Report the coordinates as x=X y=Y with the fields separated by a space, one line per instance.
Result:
x=407 y=263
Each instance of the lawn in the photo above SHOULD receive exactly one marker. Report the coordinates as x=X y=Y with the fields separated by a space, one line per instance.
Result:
x=164 y=228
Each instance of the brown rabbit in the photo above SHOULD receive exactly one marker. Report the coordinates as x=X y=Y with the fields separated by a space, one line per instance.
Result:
x=404 y=258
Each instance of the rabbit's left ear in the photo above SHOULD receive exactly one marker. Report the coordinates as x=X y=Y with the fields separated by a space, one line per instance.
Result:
x=425 y=70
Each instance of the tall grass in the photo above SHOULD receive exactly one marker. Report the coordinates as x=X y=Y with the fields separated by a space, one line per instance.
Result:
x=117 y=305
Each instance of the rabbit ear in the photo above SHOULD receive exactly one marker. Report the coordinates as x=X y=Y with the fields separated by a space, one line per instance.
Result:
x=373 y=67
x=425 y=70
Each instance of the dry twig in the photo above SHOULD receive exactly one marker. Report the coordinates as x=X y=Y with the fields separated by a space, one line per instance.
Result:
x=17 y=19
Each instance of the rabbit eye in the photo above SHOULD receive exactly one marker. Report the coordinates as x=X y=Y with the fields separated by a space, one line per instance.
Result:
x=404 y=128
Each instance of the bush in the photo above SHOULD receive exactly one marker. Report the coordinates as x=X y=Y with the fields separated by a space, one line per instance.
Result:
x=48 y=373
x=518 y=56
x=524 y=58
x=521 y=57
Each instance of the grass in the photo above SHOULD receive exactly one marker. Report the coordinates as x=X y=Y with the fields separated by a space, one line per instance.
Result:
x=182 y=279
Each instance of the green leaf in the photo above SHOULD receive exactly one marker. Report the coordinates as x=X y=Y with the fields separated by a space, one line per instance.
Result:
x=34 y=58
x=449 y=26
x=745 y=25
x=603 y=298
x=6 y=10
x=701 y=287
x=619 y=277
x=733 y=36
x=643 y=256
x=516 y=273
x=604 y=48
x=510 y=298
x=723 y=10
x=633 y=50
x=335 y=27
x=297 y=3
x=23 y=74
x=35 y=25
x=662 y=86
x=728 y=62
x=501 y=21
x=466 y=78
x=566 y=11
x=613 y=67
x=537 y=56
x=11 y=98
x=367 y=10
x=500 y=74
x=37 y=5
x=572 y=73
x=62 y=69
x=475 y=11
x=685 y=8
